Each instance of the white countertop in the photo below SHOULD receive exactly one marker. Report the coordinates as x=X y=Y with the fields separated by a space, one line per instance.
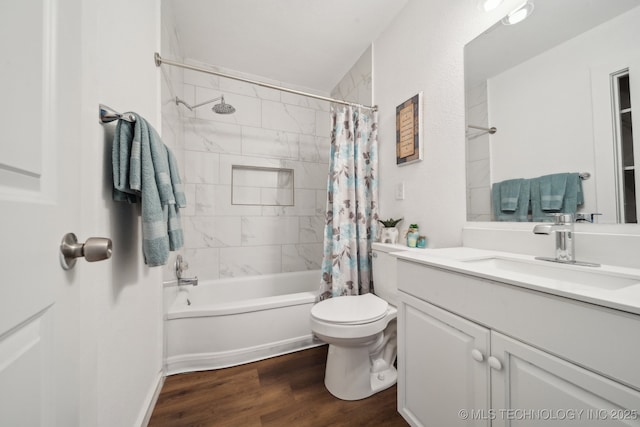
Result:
x=608 y=286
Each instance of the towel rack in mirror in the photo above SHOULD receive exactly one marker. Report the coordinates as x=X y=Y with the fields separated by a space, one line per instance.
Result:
x=108 y=114
x=491 y=130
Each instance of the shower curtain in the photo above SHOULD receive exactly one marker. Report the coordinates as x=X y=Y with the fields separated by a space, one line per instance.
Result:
x=352 y=203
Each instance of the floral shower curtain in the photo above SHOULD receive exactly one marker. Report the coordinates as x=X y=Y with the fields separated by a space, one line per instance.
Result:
x=352 y=203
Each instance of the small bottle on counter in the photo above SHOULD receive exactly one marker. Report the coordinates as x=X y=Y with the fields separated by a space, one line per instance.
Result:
x=412 y=235
x=422 y=242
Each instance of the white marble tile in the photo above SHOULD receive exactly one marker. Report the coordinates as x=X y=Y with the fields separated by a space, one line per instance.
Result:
x=309 y=175
x=270 y=143
x=196 y=78
x=305 y=203
x=312 y=229
x=478 y=148
x=477 y=116
x=269 y=230
x=188 y=96
x=215 y=200
x=323 y=124
x=480 y=201
x=250 y=261
x=215 y=137
x=248 y=109
x=246 y=195
x=276 y=196
x=309 y=148
x=203 y=263
x=321 y=202
x=201 y=167
x=302 y=257
x=305 y=101
x=289 y=118
x=228 y=160
x=190 y=194
x=476 y=95
x=478 y=174
x=247 y=89
x=211 y=232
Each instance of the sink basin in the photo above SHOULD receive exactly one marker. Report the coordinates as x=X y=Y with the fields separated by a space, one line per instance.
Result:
x=565 y=274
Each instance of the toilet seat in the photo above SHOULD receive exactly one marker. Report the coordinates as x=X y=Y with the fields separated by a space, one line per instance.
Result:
x=354 y=310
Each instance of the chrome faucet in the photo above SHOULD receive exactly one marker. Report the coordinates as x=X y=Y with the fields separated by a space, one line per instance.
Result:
x=563 y=227
x=565 y=249
x=182 y=265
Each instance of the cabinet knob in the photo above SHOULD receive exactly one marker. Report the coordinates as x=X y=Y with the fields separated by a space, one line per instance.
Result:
x=477 y=355
x=495 y=363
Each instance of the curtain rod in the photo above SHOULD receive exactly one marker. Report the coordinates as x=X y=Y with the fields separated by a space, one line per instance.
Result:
x=159 y=60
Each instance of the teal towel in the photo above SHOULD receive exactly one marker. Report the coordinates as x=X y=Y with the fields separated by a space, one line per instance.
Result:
x=552 y=191
x=572 y=198
x=509 y=194
x=145 y=170
x=522 y=210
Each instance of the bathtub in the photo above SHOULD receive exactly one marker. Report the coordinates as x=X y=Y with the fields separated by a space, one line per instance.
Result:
x=228 y=322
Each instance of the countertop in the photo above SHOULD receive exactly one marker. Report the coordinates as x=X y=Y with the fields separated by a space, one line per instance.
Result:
x=608 y=286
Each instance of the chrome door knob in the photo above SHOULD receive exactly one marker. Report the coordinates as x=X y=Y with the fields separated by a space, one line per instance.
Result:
x=94 y=249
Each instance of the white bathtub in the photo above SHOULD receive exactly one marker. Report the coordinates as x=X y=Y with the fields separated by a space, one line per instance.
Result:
x=229 y=322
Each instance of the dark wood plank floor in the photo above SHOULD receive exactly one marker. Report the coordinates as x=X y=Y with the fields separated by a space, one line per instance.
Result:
x=283 y=391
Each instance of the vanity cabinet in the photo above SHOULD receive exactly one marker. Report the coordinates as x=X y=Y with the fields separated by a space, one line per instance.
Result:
x=473 y=352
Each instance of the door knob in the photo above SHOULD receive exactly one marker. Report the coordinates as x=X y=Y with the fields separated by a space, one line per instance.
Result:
x=94 y=249
x=495 y=363
x=477 y=355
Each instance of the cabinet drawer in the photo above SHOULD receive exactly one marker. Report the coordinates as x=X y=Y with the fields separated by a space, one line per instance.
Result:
x=597 y=338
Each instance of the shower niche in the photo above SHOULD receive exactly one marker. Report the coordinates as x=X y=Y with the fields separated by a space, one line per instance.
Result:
x=262 y=186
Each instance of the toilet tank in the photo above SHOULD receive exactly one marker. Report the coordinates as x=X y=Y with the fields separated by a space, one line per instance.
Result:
x=385 y=283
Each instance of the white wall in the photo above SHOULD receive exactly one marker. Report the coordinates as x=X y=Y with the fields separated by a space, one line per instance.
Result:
x=422 y=50
x=120 y=353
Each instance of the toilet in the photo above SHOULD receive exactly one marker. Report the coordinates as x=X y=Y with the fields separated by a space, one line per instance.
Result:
x=361 y=333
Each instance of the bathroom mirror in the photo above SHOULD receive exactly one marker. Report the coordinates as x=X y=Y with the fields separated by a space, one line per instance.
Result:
x=557 y=88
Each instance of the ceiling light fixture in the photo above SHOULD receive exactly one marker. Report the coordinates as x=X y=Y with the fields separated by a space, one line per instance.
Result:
x=487 y=5
x=519 y=14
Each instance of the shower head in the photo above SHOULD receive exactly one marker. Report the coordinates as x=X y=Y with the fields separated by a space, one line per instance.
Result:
x=223 y=108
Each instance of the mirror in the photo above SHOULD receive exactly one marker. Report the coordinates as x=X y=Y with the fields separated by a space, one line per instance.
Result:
x=556 y=88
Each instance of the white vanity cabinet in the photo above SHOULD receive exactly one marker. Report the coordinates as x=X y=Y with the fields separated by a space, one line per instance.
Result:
x=474 y=352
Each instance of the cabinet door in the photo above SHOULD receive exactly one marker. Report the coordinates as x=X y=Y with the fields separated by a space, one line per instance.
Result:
x=534 y=388
x=438 y=375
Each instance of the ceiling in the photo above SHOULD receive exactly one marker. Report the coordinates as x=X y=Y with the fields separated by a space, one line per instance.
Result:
x=551 y=23
x=309 y=43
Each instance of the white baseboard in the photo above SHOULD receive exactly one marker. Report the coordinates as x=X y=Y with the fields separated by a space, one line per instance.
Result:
x=150 y=401
x=208 y=361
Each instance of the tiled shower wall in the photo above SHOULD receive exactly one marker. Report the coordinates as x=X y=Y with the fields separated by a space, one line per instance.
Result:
x=172 y=123
x=478 y=155
x=356 y=85
x=269 y=129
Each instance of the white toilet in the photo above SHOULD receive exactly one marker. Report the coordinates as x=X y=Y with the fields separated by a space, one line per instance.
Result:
x=361 y=333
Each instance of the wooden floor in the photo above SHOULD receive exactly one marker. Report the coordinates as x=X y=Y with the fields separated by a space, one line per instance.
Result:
x=283 y=391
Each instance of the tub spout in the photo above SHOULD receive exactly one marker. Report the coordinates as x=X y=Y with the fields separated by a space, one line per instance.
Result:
x=188 y=281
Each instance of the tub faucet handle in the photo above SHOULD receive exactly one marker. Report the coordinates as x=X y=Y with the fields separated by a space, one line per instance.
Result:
x=181 y=266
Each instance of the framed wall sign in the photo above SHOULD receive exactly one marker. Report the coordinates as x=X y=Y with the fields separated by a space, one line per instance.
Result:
x=408 y=132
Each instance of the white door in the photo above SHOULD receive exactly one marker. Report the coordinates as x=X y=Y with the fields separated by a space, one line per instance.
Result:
x=443 y=375
x=39 y=201
x=534 y=388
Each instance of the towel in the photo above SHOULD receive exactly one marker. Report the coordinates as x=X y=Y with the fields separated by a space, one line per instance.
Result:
x=509 y=194
x=572 y=197
x=145 y=170
x=552 y=191
x=522 y=210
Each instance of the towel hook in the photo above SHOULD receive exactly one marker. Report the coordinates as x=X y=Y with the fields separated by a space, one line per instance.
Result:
x=108 y=114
